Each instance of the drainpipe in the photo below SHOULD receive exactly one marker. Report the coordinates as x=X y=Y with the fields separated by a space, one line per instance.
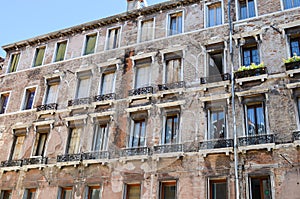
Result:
x=235 y=143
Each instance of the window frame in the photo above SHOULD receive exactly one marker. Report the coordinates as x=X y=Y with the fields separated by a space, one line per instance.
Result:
x=105 y=137
x=208 y=129
x=127 y=185
x=163 y=183
x=92 y=187
x=171 y=114
x=61 y=192
x=2 y=109
x=206 y=12
x=140 y=29
x=36 y=54
x=238 y=9
x=260 y=177
x=283 y=6
x=4 y=191
x=118 y=43
x=44 y=130
x=25 y=100
x=166 y=60
x=213 y=49
x=210 y=188
x=135 y=65
x=101 y=82
x=81 y=76
x=85 y=43
x=28 y=191
x=132 y=132
x=50 y=82
x=16 y=134
x=10 y=62
x=56 y=50
x=169 y=31
x=69 y=139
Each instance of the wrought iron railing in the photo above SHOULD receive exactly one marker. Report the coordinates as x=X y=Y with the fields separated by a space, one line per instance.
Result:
x=141 y=91
x=215 y=78
x=110 y=96
x=168 y=86
x=80 y=101
x=11 y=163
x=35 y=160
x=258 y=139
x=69 y=157
x=216 y=144
x=95 y=155
x=296 y=135
x=46 y=107
x=135 y=151
x=170 y=148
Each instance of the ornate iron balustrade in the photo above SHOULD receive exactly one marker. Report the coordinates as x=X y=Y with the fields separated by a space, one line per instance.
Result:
x=168 y=86
x=95 y=155
x=46 y=107
x=69 y=157
x=99 y=98
x=80 y=101
x=11 y=163
x=251 y=72
x=216 y=144
x=36 y=160
x=258 y=139
x=215 y=78
x=135 y=151
x=296 y=135
x=170 y=148
x=141 y=91
x=292 y=65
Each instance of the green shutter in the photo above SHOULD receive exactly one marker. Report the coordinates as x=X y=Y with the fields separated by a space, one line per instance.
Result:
x=60 y=52
x=14 y=62
x=90 y=44
x=39 y=56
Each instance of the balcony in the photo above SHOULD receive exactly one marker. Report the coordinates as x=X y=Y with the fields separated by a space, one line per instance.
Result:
x=168 y=148
x=169 y=86
x=251 y=75
x=80 y=101
x=257 y=142
x=35 y=161
x=105 y=97
x=292 y=65
x=47 y=107
x=216 y=144
x=215 y=78
x=140 y=151
x=69 y=158
x=296 y=136
x=141 y=91
x=11 y=163
x=95 y=155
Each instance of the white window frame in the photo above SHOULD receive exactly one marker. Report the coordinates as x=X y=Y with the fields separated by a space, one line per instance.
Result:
x=206 y=12
x=9 y=62
x=140 y=29
x=237 y=10
x=24 y=97
x=101 y=83
x=165 y=64
x=96 y=128
x=168 y=21
x=79 y=75
x=55 y=50
x=8 y=100
x=282 y=6
x=206 y=63
x=85 y=40
x=225 y=121
x=120 y=27
x=47 y=88
x=163 y=133
x=132 y=132
x=34 y=56
x=36 y=132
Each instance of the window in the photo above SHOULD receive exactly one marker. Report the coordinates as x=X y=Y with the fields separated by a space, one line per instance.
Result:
x=41 y=139
x=175 y=24
x=100 y=139
x=216 y=124
x=214 y=17
x=168 y=190
x=218 y=189
x=146 y=31
x=28 y=99
x=90 y=44
x=142 y=76
x=215 y=60
x=39 y=56
x=6 y=194
x=295 y=46
x=255 y=118
x=171 y=129
x=3 y=102
x=113 y=38
x=52 y=90
x=260 y=187
x=137 y=134
x=14 y=61
x=246 y=9
x=66 y=193
x=60 y=51
x=17 y=145
x=29 y=194
x=133 y=191
x=94 y=192
x=250 y=55
x=73 y=140
x=83 y=85
x=173 y=67
x=108 y=83
x=290 y=3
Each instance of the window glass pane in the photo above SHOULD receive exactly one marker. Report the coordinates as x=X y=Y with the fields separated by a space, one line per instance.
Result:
x=171 y=129
x=52 y=93
x=31 y=194
x=100 y=138
x=142 y=75
x=94 y=193
x=260 y=120
x=173 y=70
x=107 y=83
x=3 y=103
x=251 y=8
x=295 y=47
x=41 y=143
x=218 y=189
x=211 y=17
x=255 y=57
x=29 y=97
x=260 y=188
x=73 y=146
x=39 y=56
x=67 y=194
x=179 y=24
x=60 y=51
x=256 y=119
x=137 y=137
x=113 y=38
x=83 y=87
x=7 y=194
x=146 y=30
x=168 y=190
x=296 y=3
x=217 y=124
x=243 y=10
x=133 y=191
x=90 y=44
x=14 y=62
x=218 y=15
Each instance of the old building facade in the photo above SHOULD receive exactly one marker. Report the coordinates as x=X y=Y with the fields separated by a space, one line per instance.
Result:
x=139 y=105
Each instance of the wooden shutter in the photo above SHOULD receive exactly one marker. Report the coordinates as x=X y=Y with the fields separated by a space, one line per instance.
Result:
x=18 y=147
x=107 y=83
x=39 y=56
x=90 y=44
x=83 y=87
x=60 y=51
x=74 y=140
x=142 y=73
x=14 y=62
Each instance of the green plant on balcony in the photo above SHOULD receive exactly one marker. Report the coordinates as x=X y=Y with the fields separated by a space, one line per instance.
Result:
x=252 y=70
x=295 y=58
x=251 y=67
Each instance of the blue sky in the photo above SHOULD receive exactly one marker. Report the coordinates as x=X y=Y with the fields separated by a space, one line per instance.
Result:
x=24 y=19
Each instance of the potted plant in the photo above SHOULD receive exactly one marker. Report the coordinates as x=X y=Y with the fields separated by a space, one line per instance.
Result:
x=252 y=70
x=292 y=62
